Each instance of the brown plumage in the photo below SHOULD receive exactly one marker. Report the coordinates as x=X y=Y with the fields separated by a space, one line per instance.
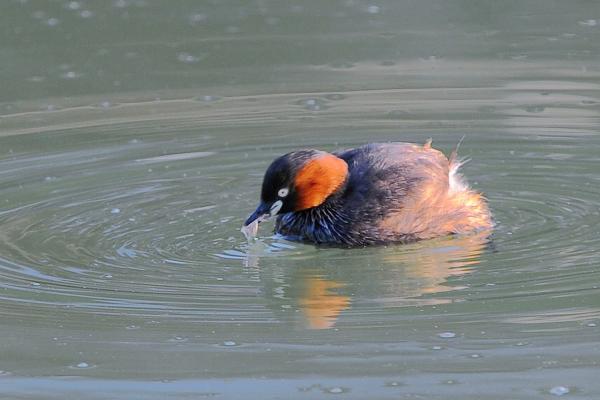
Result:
x=373 y=194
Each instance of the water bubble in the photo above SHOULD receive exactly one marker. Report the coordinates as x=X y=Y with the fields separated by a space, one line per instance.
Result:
x=393 y=384
x=132 y=327
x=335 y=96
x=36 y=284
x=436 y=348
x=83 y=365
x=335 y=390
x=52 y=21
x=588 y=22
x=559 y=390
x=591 y=324
x=535 y=109
x=447 y=335
x=187 y=58
x=208 y=98
x=197 y=18
x=373 y=9
x=519 y=57
x=115 y=211
x=229 y=343
x=70 y=75
x=73 y=5
x=36 y=78
x=86 y=14
x=475 y=356
x=312 y=104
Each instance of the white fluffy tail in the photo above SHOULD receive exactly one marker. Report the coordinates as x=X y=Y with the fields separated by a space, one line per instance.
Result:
x=456 y=180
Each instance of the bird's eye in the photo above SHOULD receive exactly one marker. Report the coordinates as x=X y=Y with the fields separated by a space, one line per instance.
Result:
x=283 y=192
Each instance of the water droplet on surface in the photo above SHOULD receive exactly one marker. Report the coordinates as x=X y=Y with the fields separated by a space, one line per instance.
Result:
x=86 y=14
x=559 y=390
x=373 y=9
x=393 y=384
x=187 y=58
x=535 y=109
x=197 y=18
x=312 y=104
x=52 y=21
x=36 y=78
x=450 y=382
x=588 y=22
x=70 y=75
x=73 y=5
x=447 y=335
x=208 y=98
x=335 y=96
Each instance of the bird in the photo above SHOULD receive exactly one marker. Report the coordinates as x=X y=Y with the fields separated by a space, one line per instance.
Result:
x=374 y=194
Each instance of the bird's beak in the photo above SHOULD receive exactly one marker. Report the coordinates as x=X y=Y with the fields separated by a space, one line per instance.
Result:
x=262 y=212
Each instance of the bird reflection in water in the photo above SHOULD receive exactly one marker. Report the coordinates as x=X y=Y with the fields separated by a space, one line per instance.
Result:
x=394 y=276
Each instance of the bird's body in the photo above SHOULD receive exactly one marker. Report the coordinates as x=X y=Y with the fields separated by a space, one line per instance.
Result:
x=373 y=194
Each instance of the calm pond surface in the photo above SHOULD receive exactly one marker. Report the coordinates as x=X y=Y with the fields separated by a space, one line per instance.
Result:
x=133 y=139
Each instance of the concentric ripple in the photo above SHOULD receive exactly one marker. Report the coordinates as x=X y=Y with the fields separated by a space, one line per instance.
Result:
x=141 y=230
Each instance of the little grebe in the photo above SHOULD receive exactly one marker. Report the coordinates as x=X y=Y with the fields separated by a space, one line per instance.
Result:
x=374 y=194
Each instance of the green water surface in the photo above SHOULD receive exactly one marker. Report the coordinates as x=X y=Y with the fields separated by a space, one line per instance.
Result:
x=133 y=139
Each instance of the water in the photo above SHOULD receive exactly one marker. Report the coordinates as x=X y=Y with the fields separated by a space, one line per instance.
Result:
x=133 y=139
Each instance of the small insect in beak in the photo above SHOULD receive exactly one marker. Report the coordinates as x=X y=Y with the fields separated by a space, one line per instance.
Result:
x=262 y=213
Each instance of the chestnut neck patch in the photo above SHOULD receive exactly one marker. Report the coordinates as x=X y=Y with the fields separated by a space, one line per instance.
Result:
x=318 y=179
